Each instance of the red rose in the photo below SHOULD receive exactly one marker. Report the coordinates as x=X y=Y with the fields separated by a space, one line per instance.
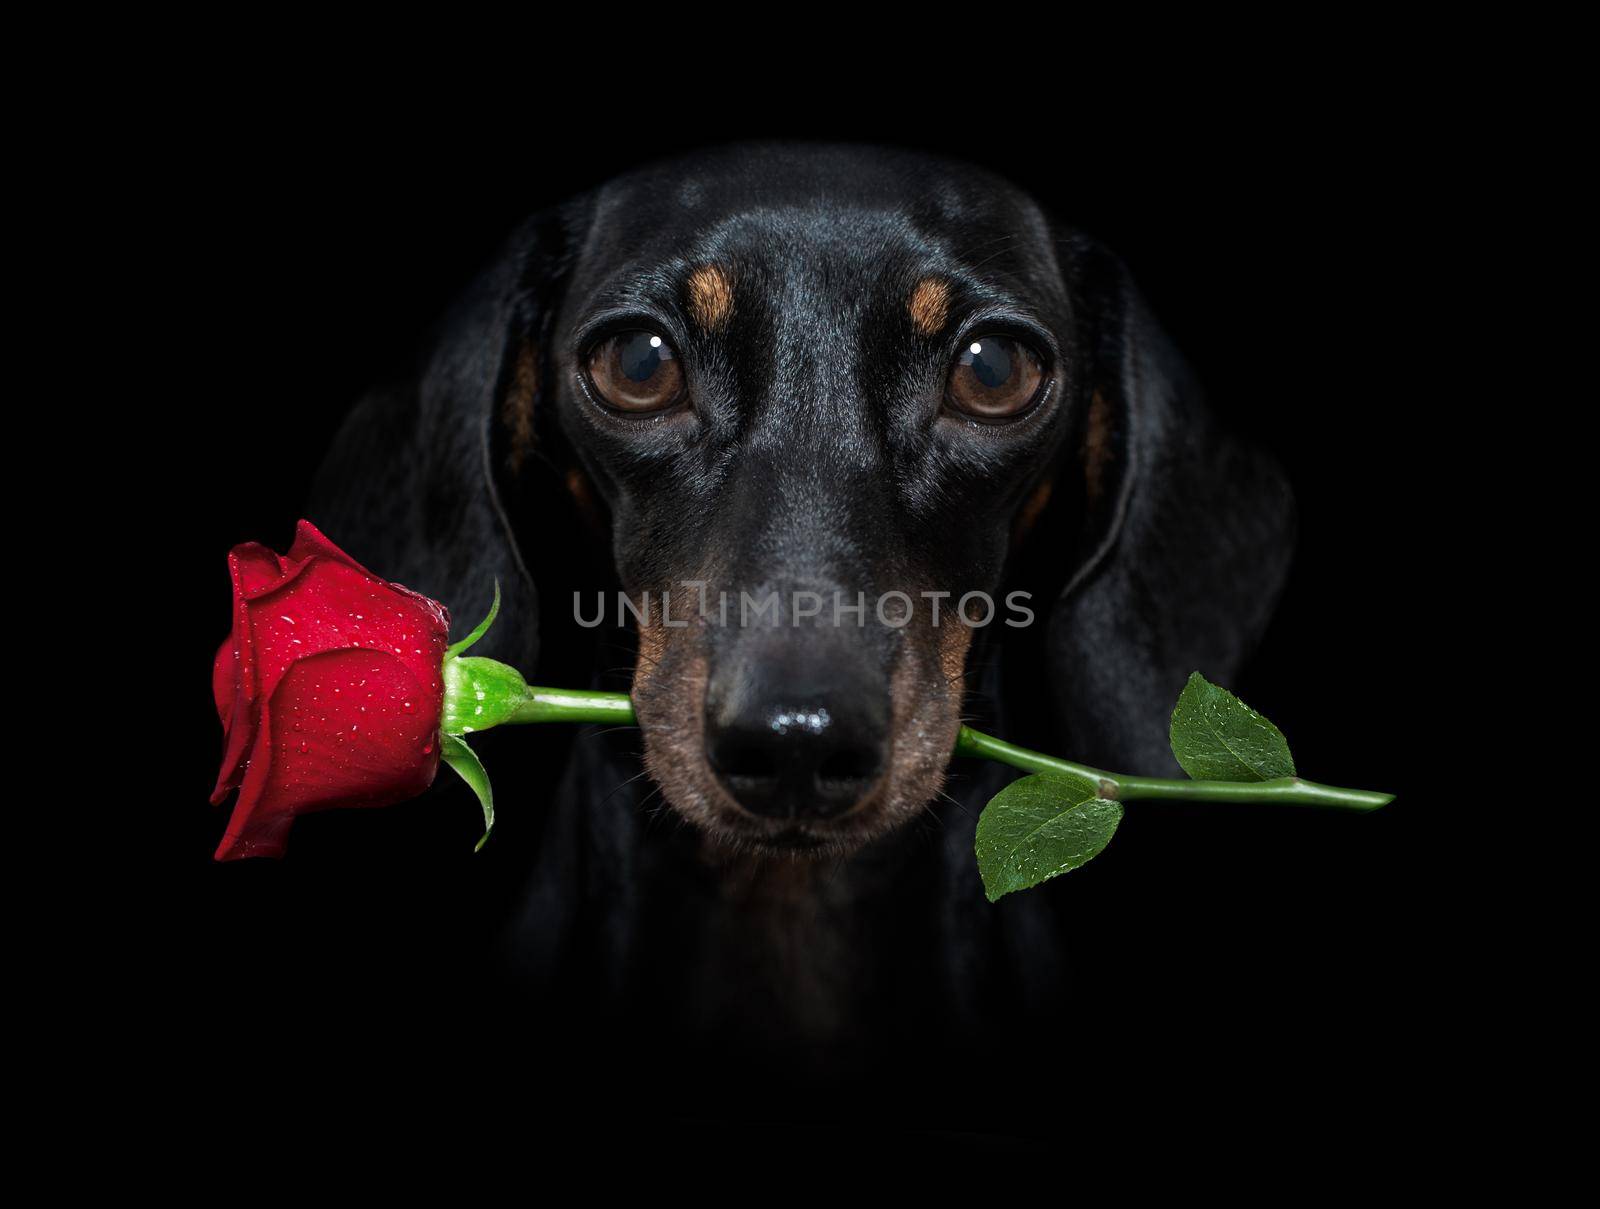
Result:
x=330 y=690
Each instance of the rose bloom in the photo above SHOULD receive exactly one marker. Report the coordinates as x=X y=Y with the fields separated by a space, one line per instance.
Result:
x=329 y=689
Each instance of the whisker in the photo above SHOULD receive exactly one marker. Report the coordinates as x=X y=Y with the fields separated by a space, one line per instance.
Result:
x=621 y=787
x=954 y=802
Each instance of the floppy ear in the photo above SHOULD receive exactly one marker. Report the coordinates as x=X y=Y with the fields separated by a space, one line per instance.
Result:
x=409 y=483
x=1190 y=535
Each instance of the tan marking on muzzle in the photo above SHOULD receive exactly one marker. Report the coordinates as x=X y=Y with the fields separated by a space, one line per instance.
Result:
x=652 y=646
x=669 y=692
x=710 y=297
x=929 y=306
x=926 y=717
x=955 y=637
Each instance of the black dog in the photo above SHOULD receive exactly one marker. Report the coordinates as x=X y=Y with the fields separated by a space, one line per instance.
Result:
x=781 y=370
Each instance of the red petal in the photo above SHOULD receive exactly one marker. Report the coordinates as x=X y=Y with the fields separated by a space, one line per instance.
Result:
x=253 y=568
x=256 y=568
x=316 y=599
x=329 y=606
x=225 y=681
x=309 y=541
x=335 y=732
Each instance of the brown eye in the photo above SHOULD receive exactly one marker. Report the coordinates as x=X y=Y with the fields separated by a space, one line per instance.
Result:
x=636 y=371
x=994 y=378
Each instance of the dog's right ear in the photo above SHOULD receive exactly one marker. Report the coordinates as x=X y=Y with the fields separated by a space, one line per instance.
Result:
x=412 y=481
x=557 y=520
x=1185 y=539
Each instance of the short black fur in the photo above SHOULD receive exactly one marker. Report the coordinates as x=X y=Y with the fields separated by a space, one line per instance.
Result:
x=1169 y=561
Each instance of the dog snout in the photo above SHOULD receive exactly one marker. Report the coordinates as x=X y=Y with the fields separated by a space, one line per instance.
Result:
x=807 y=742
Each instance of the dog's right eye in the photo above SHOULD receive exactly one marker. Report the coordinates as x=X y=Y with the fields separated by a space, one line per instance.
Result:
x=995 y=378
x=636 y=371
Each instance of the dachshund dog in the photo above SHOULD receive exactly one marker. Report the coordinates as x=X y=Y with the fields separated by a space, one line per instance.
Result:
x=802 y=373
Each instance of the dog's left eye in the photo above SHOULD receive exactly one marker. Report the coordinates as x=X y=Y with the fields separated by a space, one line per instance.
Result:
x=994 y=377
x=636 y=371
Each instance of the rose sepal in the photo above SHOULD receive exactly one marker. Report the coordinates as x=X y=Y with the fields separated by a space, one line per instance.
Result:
x=478 y=693
x=481 y=692
x=464 y=760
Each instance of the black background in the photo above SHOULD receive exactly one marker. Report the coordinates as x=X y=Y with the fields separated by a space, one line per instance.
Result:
x=1287 y=232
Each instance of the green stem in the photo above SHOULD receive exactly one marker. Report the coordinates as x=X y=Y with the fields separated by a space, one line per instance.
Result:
x=1122 y=787
x=573 y=705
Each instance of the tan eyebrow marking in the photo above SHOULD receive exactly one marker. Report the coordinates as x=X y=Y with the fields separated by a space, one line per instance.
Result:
x=929 y=306
x=710 y=297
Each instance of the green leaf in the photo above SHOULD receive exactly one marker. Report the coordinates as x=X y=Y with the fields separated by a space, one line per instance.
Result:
x=1039 y=827
x=482 y=628
x=1217 y=737
x=465 y=761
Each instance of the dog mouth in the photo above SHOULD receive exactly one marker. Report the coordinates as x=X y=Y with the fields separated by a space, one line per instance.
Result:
x=794 y=840
x=731 y=835
x=692 y=787
x=754 y=782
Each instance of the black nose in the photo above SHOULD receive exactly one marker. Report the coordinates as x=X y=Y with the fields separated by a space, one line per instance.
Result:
x=805 y=757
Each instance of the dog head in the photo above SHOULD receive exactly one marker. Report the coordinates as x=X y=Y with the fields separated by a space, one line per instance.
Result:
x=812 y=390
x=814 y=395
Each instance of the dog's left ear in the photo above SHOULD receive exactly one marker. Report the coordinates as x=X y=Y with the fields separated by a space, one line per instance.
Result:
x=410 y=483
x=1188 y=541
